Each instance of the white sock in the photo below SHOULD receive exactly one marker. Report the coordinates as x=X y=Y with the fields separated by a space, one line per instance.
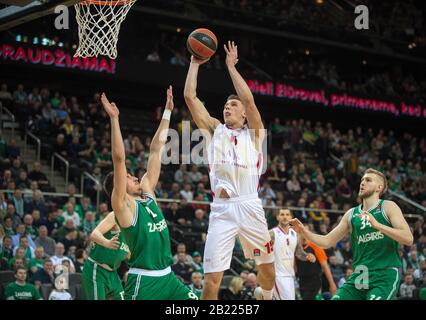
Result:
x=267 y=294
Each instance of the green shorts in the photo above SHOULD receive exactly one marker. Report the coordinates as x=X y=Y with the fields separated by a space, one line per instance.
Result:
x=380 y=284
x=99 y=283
x=168 y=287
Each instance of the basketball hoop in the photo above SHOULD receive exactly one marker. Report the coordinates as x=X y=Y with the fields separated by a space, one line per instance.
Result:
x=99 y=25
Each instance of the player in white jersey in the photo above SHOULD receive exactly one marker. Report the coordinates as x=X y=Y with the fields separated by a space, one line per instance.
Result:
x=235 y=162
x=287 y=246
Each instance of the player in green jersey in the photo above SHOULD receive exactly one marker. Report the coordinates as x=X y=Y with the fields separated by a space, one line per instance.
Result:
x=20 y=289
x=140 y=219
x=100 y=277
x=376 y=228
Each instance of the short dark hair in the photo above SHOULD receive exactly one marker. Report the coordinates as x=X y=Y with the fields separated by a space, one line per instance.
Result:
x=286 y=208
x=47 y=260
x=233 y=96
x=79 y=253
x=20 y=268
x=109 y=183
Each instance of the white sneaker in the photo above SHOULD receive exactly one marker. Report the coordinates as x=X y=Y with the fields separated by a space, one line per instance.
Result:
x=258 y=293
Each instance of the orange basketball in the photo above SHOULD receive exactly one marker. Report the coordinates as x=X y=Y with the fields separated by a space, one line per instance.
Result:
x=201 y=43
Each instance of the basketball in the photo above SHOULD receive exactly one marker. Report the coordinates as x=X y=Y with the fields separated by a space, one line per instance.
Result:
x=202 y=43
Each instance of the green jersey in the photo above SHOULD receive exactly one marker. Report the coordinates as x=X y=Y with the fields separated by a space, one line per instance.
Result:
x=195 y=290
x=9 y=231
x=12 y=261
x=38 y=263
x=198 y=267
x=28 y=253
x=148 y=237
x=16 y=291
x=31 y=231
x=370 y=247
x=110 y=257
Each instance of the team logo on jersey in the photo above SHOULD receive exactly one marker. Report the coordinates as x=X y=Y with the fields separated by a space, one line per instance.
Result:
x=373 y=236
x=256 y=252
x=124 y=247
x=157 y=227
x=230 y=156
x=23 y=294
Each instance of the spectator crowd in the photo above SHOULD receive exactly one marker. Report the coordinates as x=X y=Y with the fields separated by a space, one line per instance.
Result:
x=313 y=166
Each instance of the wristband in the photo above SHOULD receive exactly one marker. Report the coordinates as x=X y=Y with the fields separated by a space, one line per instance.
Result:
x=166 y=114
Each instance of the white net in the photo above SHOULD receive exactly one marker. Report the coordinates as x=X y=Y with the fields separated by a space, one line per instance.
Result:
x=99 y=25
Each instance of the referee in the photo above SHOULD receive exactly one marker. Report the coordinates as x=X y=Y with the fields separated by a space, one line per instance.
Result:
x=309 y=273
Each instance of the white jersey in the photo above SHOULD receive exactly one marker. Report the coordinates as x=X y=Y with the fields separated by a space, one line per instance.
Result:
x=284 y=251
x=234 y=163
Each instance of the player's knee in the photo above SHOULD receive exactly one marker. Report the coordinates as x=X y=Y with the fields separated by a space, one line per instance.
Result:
x=212 y=280
x=212 y=283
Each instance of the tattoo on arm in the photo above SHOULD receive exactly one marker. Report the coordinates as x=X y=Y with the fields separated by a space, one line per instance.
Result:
x=300 y=253
x=272 y=234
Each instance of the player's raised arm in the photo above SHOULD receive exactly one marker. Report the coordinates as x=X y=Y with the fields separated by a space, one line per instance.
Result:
x=323 y=241
x=119 y=195
x=103 y=227
x=400 y=230
x=199 y=113
x=243 y=91
x=150 y=179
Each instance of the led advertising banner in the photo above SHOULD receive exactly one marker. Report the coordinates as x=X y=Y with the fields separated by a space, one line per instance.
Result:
x=54 y=57
x=326 y=97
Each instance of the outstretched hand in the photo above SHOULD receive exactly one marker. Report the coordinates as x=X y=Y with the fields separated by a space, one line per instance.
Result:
x=169 y=103
x=109 y=107
x=297 y=225
x=198 y=61
x=231 y=54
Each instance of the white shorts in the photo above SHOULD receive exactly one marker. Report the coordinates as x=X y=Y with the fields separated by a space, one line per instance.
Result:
x=284 y=288
x=241 y=216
